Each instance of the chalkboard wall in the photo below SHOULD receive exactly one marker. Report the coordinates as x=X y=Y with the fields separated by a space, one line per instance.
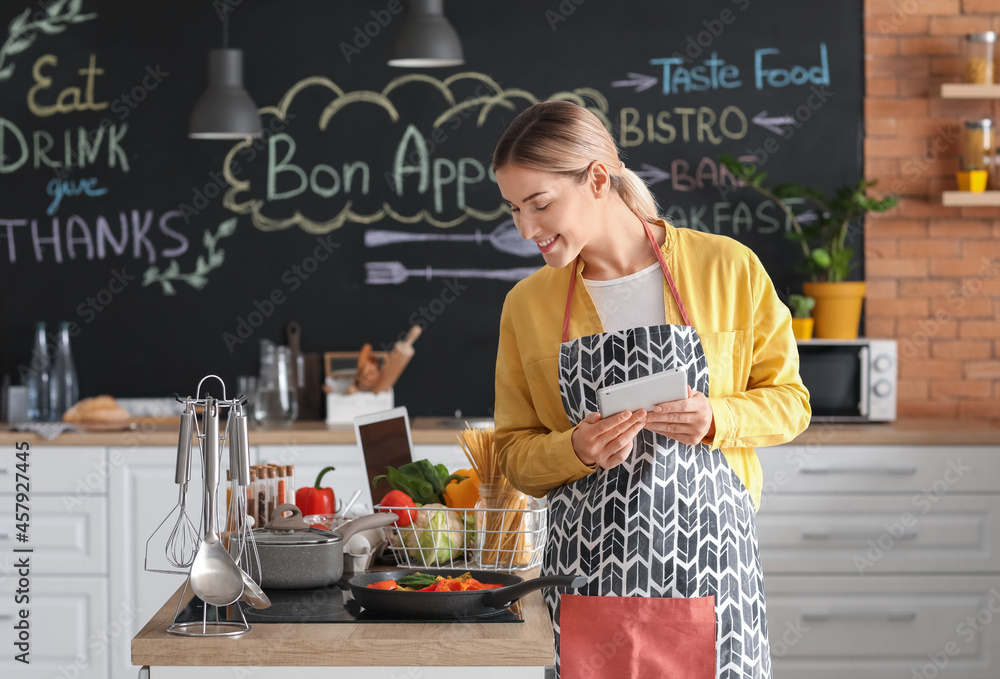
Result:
x=368 y=205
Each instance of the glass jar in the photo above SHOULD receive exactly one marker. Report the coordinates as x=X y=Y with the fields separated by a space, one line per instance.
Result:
x=277 y=396
x=509 y=529
x=977 y=144
x=64 y=389
x=979 y=48
x=38 y=377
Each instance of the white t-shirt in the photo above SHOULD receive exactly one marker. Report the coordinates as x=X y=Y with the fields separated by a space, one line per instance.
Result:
x=632 y=301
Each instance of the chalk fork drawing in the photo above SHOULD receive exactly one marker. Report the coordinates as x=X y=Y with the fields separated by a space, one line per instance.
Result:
x=505 y=238
x=394 y=273
x=199 y=277
x=22 y=32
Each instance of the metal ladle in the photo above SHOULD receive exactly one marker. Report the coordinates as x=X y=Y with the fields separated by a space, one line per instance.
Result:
x=215 y=577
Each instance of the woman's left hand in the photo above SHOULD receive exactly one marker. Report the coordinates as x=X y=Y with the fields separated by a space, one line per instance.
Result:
x=688 y=420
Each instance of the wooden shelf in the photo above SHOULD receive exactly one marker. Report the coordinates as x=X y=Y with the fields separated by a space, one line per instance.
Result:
x=970 y=199
x=967 y=91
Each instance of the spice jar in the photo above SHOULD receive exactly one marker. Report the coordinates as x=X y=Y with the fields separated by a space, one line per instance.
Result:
x=979 y=48
x=977 y=144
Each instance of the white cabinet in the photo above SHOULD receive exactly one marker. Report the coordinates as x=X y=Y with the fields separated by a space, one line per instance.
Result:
x=143 y=495
x=882 y=562
x=68 y=625
x=67 y=579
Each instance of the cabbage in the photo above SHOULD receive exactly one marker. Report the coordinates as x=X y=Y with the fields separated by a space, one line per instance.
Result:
x=435 y=537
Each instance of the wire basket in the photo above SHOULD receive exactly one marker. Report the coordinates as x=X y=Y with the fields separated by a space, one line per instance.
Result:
x=483 y=539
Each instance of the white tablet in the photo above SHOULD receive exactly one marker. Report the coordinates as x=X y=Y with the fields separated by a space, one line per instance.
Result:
x=643 y=393
x=385 y=439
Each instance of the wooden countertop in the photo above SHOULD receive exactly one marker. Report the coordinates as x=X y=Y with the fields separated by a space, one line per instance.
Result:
x=445 y=431
x=529 y=643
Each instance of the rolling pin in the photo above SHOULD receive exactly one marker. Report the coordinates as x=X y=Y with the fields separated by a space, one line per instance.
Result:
x=398 y=358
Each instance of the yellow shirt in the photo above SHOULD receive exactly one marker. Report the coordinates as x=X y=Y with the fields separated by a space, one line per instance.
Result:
x=755 y=391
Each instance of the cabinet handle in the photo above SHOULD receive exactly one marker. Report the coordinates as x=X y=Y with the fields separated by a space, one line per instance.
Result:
x=888 y=470
x=827 y=534
x=6 y=616
x=6 y=536
x=859 y=614
x=4 y=470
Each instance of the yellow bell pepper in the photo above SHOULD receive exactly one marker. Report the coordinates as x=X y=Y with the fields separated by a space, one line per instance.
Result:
x=463 y=494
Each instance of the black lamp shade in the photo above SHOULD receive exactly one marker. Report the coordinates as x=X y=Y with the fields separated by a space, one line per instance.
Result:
x=427 y=39
x=225 y=110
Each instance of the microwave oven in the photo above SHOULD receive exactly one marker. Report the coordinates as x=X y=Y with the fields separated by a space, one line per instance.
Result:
x=850 y=380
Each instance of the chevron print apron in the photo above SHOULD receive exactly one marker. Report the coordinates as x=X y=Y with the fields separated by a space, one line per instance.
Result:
x=673 y=520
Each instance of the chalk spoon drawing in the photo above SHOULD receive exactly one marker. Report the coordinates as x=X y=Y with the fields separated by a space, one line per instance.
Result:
x=505 y=238
x=22 y=32
x=394 y=273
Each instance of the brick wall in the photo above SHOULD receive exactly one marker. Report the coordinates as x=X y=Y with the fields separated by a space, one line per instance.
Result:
x=933 y=272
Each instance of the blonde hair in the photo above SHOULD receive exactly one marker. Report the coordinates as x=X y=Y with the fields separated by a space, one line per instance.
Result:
x=565 y=138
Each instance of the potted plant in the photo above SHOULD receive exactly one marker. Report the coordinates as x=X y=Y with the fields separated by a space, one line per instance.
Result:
x=827 y=259
x=802 y=320
x=972 y=179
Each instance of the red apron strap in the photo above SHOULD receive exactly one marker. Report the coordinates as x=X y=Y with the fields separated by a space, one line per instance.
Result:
x=666 y=273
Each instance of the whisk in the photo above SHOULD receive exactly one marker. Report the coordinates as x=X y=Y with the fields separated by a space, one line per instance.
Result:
x=182 y=543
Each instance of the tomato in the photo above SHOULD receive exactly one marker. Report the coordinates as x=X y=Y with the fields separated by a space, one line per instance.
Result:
x=384 y=584
x=397 y=498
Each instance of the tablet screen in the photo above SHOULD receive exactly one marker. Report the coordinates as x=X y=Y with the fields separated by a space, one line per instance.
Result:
x=385 y=442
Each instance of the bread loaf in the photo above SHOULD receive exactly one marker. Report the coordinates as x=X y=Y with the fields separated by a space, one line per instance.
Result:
x=97 y=409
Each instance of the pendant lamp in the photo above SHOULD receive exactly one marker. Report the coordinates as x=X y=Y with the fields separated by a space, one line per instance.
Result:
x=225 y=110
x=427 y=39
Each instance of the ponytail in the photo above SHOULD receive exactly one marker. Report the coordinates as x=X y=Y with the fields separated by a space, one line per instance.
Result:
x=636 y=195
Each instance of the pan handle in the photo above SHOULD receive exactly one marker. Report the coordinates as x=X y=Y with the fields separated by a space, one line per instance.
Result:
x=505 y=596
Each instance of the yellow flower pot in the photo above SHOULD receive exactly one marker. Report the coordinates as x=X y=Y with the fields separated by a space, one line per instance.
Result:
x=972 y=180
x=838 y=308
x=802 y=328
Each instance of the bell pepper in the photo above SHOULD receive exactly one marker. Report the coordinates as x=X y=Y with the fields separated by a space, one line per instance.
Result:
x=463 y=494
x=316 y=500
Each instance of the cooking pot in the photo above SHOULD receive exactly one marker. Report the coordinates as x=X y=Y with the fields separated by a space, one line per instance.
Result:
x=446 y=605
x=295 y=556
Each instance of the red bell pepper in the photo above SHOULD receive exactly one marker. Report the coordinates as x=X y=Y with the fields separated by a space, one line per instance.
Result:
x=315 y=500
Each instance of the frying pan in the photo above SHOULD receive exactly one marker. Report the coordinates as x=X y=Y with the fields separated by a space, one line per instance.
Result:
x=436 y=605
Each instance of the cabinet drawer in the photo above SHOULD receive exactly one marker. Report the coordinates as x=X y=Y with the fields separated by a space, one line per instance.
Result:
x=68 y=624
x=64 y=541
x=80 y=470
x=883 y=628
x=880 y=534
x=879 y=469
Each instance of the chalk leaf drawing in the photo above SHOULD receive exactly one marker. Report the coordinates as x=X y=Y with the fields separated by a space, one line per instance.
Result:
x=212 y=259
x=23 y=30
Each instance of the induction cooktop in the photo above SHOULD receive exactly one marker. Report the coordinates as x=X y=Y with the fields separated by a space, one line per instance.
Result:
x=332 y=604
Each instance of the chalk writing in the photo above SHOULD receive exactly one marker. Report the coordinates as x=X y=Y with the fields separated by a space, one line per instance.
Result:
x=69 y=98
x=59 y=188
x=15 y=151
x=74 y=237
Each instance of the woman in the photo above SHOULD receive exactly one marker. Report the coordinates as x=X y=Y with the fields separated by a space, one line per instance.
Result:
x=650 y=504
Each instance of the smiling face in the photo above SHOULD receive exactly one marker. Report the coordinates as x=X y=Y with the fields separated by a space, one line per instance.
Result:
x=554 y=210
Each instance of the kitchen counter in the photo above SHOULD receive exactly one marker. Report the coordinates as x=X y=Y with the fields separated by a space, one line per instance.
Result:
x=396 y=645
x=445 y=431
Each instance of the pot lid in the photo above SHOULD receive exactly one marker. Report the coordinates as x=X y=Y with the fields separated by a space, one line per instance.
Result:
x=287 y=527
x=289 y=538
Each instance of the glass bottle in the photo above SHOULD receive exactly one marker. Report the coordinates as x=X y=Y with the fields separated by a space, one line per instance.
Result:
x=290 y=482
x=979 y=48
x=38 y=377
x=64 y=389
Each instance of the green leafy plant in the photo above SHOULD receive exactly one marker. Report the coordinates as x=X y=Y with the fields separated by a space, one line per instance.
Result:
x=801 y=305
x=826 y=255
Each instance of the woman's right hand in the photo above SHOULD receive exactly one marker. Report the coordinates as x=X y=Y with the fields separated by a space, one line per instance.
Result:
x=607 y=442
